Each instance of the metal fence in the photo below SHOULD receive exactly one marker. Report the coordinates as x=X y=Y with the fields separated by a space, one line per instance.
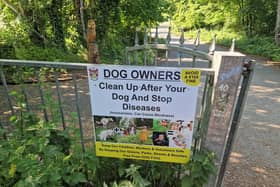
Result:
x=53 y=90
x=57 y=90
x=169 y=54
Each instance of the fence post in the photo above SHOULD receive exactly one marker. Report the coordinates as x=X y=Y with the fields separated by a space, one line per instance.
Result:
x=228 y=67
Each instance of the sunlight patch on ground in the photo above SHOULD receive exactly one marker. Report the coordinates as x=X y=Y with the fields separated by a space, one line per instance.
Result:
x=261 y=89
x=234 y=160
x=68 y=94
x=274 y=126
x=261 y=111
x=235 y=157
x=235 y=154
x=259 y=170
x=7 y=112
x=64 y=86
x=260 y=128
x=271 y=82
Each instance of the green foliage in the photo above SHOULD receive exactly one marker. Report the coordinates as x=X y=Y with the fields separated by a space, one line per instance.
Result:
x=133 y=173
x=48 y=54
x=258 y=45
x=201 y=166
x=254 y=17
x=36 y=153
x=7 y=51
x=258 y=17
x=54 y=29
x=204 y=14
x=138 y=13
x=262 y=46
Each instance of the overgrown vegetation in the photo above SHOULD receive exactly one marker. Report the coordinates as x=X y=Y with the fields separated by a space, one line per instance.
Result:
x=251 y=22
x=38 y=153
x=56 y=30
x=258 y=45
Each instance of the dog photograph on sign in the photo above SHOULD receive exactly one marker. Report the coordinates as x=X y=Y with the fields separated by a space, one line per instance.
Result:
x=123 y=129
x=176 y=133
x=156 y=132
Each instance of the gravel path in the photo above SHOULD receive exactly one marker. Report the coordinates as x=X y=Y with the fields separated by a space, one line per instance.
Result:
x=255 y=158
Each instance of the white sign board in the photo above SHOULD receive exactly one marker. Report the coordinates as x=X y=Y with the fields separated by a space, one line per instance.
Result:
x=143 y=106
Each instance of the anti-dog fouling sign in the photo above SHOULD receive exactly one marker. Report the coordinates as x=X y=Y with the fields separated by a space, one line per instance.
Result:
x=143 y=113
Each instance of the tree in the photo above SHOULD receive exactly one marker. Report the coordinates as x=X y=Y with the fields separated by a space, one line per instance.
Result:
x=79 y=8
x=277 y=27
x=56 y=20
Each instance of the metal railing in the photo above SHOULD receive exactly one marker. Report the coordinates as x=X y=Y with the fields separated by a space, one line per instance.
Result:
x=51 y=87
x=159 y=54
x=36 y=89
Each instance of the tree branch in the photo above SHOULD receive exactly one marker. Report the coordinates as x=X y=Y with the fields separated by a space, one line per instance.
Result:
x=13 y=8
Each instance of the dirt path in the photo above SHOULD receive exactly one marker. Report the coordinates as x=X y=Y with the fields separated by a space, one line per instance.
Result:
x=254 y=159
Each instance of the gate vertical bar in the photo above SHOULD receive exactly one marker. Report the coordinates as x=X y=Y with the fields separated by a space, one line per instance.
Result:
x=212 y=47
x=181 y=41
x=78 y=111
x=23 y=89
x=196 y=45
x=59 y=100
x=6 y=90
x=145 y=43
x=42 y=96
x=168 y=39
x=136 y=43
x=2 y=127
x=156 y=42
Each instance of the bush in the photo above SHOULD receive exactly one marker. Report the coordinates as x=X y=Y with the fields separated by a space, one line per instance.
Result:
x=7 y=51
x=47 y=54
x=37 y=153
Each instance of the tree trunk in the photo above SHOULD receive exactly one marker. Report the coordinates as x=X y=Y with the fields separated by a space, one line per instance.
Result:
x=79 y=14
x=82 y=18
x=277 y=27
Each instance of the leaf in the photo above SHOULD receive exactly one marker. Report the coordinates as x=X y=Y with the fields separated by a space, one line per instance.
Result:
x=187 y=182
x=20 y=150
x=196 y=171
x=121 y=171
x=115 y=184
x=12 y=170
x=77 y=178
x=126 y=183
x=67 y=157
x=13 y=93
x=13 y=118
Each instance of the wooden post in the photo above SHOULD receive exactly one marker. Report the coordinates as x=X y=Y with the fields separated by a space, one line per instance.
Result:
x=229 y=67
x=93 y=53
